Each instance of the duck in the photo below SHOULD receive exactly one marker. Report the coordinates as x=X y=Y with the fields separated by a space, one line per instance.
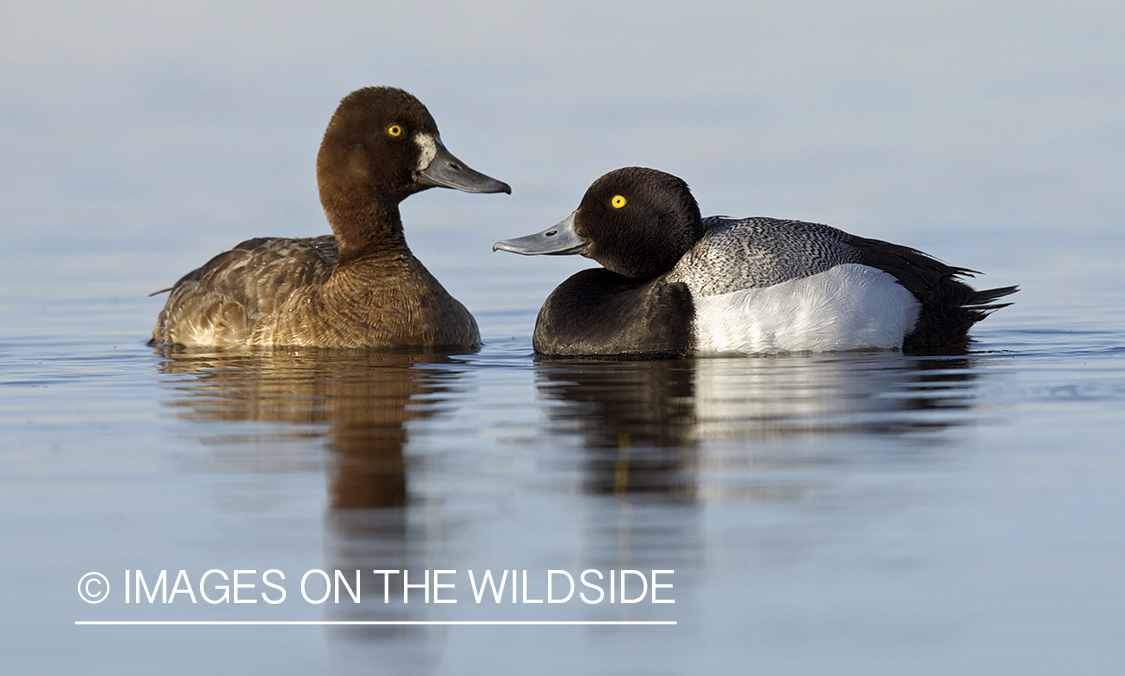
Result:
x=675 y=284
x=360 y=287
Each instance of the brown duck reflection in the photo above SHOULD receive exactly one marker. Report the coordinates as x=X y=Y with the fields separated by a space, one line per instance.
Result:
x=364 y=397
x=648 y=426
x=360 y=402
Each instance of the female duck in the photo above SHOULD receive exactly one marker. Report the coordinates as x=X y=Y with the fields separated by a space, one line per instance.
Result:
x=360 y=288
x=676 y=284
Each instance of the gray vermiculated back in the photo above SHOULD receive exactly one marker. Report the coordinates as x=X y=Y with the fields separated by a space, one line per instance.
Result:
x=754 y=253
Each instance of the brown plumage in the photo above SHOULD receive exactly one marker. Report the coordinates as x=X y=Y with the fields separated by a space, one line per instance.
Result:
x=361 y=287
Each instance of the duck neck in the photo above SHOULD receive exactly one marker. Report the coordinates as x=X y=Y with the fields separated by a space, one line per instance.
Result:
x=370 y=229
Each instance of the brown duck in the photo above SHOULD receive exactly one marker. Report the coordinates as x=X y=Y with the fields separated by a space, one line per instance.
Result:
x=361 y=287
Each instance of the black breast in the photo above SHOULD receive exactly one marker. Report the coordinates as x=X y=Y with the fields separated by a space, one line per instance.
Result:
x=598 y=312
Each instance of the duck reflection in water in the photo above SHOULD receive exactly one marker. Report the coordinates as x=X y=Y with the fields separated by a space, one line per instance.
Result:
x=361 y=402
x=646 y=426
x=361 y=397
x=656 y=426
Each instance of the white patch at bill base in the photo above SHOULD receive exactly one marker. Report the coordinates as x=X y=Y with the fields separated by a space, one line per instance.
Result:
x=429 y=145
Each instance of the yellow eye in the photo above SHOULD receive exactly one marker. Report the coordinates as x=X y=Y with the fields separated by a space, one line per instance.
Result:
x=394 y=130
x=618 y=201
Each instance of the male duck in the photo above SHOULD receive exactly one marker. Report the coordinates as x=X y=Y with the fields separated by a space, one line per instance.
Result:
x=676 y=284
x=360 y=288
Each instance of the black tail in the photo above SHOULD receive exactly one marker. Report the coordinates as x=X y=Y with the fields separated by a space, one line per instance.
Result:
x=982 y=300
x=950 y=307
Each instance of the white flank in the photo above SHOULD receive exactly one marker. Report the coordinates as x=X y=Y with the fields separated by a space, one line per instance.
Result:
x=848 y=307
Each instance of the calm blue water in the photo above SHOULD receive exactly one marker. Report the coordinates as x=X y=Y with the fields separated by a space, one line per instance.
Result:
x=868 y=513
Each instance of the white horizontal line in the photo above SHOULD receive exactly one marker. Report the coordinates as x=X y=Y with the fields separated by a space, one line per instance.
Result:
x=393 y=623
